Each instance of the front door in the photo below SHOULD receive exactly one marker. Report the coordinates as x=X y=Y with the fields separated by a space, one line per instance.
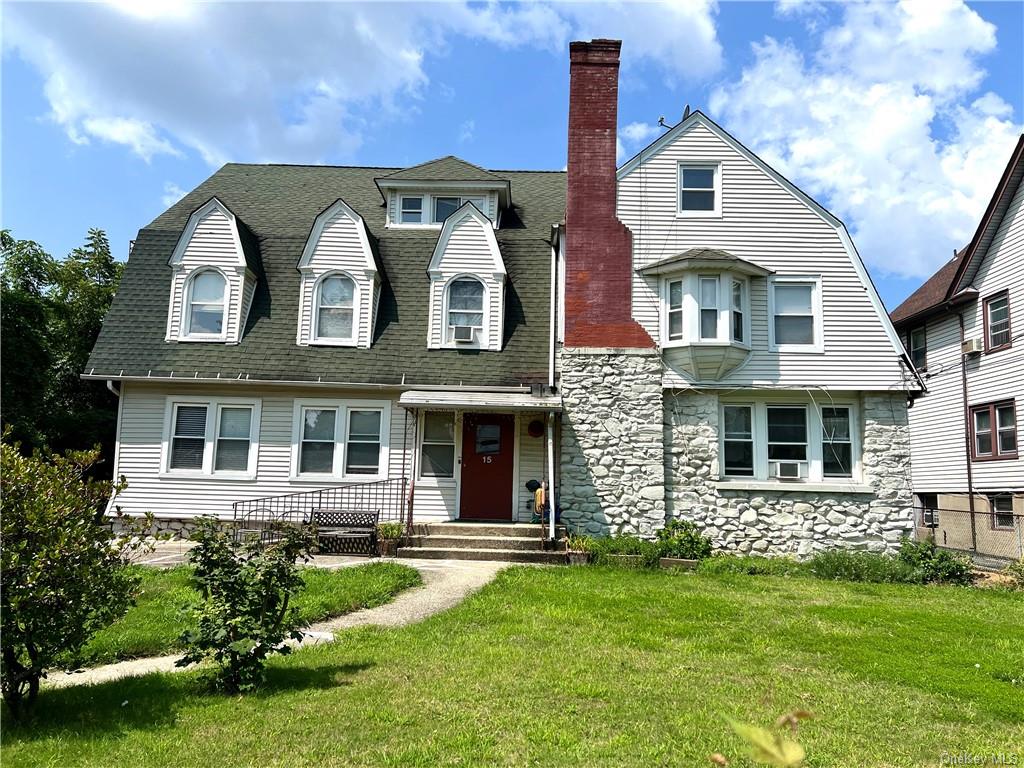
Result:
x=488 y=445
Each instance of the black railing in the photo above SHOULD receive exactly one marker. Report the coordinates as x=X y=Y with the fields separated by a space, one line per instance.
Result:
x=263 y=517
x=987 y=535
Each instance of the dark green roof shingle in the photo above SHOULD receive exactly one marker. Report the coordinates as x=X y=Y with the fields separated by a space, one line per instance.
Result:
x=278 y=204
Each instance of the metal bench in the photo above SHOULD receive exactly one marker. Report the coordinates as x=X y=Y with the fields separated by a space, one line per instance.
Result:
x=341 y=531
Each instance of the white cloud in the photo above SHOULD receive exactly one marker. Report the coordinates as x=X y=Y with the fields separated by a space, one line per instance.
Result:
x=883 y=123
x=172 y=194
x=634 y=137
x=466 y=131
x=300 y=82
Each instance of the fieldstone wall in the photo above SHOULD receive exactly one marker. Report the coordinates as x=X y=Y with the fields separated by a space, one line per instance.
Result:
x=612 y=452
x=176 y=527
x=790 y=522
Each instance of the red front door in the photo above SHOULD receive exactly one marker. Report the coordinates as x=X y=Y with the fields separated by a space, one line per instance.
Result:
x=488 y=443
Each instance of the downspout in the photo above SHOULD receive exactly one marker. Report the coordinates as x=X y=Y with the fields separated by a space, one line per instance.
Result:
x=115 y=392
x=967 y=434
x=415 y=464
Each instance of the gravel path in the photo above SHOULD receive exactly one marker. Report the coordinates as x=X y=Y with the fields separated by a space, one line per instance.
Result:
x=446 y=583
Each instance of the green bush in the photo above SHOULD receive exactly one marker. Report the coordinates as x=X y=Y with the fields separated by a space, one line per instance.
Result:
x=751 y=565
x=602 y=547
x=847 y=565
x=936 y=565
x=576 y=542
x=1015 y=573
x=681 y=538
x=244 y=613
x=63 y=575
x=390 y=530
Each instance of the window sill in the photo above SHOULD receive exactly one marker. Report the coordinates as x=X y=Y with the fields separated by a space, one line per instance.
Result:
x=698 y=214
x=1000 y=457
x=712 y=343
x=798 y=486
x=229 y=476
x=327 y=479
x=207 y=339
x=333 y=343
x=1000 y=348
x=801 y=349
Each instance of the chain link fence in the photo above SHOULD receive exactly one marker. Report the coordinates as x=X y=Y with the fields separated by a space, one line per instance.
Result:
x=992 y=536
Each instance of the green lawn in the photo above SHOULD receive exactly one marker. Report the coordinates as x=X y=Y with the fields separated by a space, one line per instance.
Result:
x=594 y=667
x=153 y=625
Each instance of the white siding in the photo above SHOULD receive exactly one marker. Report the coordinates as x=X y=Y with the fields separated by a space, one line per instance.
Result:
x=340 y=248
x=763 y=222
x=937 y=421
x=212 y=244
x=490 y=209
x=468 y=251
x=143 y=409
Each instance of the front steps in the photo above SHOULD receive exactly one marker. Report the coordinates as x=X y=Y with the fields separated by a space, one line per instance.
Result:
x=502 y=542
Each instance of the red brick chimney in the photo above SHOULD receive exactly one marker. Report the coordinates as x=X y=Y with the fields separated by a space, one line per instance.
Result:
x=599 y=247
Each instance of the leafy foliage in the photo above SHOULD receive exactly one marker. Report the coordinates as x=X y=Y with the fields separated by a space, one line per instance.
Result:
x=846 y=565
x=1015 y=573
x=390 y=531
x=604 y=546
x=51 y=315
x=681 y=538
x=63 y=576
x=771 y=747
x=934 y=565
x=576 y=542
x=751 y=565
x=244 y=613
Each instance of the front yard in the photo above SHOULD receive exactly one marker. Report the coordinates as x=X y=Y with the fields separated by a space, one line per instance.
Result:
x=596 y=667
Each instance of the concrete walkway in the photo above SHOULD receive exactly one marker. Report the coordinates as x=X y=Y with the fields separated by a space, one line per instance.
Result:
x=446 y=583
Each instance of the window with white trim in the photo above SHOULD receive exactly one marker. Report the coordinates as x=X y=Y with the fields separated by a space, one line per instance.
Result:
x=919 y=348
x=445 y=206
x=212 y=436
x=465 y=303
x=824 y=441
x=675 y=310
x=795 y=322
x=335 y=308
x=997 y=322
x=342 y=439
x=708 y=298
x=437 y=447
x=738 y=312
x=699 y=189
x=205 y=307
x=412 y=209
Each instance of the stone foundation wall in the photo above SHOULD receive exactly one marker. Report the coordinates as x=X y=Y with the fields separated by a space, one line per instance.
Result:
x=176 y=527
x=790 y=522
x=612 y=450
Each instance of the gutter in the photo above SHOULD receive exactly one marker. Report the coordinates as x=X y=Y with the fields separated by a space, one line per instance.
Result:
x=299 y=383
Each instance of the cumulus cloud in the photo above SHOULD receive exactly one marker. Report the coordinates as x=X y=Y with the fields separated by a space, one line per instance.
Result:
x=884 y=122
x=172 y=194
x=467 y=131
x=299 y=82
x=633 y=137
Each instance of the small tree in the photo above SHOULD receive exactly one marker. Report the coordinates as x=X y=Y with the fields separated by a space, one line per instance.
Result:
x=64 y=576
x=244 y=613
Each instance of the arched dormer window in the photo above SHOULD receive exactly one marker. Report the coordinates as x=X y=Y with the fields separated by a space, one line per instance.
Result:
x=335 y=308
x=205 y=315
x=465 y=315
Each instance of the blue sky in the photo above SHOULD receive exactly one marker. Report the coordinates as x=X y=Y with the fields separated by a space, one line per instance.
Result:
x=898 y=117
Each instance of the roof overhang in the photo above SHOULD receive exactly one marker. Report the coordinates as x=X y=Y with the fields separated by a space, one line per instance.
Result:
x=505 y=402
x=704 y=258
x=965 y=296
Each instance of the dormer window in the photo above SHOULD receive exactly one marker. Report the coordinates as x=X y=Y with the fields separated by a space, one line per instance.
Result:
x=206 y=304
x=412 y=209
x=465 y=299
x=335 y=308
x=700 y=189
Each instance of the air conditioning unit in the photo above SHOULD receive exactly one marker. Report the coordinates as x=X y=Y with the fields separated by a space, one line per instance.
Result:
x=788 y=470
x=463 y=334
x=972 y=346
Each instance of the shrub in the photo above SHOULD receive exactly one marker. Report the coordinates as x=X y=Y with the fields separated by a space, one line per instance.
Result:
x=681 y=538
x=576 y=542
x=936 y=565
x=244 y=613
x=390 y=530
x=64 y=576
x=648 y=551
x=751 y=565
x=1014 y=573
x=847 y=565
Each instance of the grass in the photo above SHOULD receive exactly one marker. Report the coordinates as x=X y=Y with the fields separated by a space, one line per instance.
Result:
x=153 y=625
x=595 y=667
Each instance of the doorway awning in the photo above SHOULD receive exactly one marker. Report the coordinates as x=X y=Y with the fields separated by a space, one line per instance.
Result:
x=508 y=402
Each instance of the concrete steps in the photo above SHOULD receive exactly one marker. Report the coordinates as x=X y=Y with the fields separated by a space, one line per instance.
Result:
x=501 y=542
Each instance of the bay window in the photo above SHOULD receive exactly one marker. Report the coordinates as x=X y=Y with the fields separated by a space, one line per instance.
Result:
x=212 y=436
x=340 y=439
x=708 y=307
x=739 y=304
x=675 y=310
x=705 y=308
x=822 y=442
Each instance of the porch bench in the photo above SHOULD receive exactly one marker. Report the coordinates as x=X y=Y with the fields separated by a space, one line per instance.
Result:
x=338 y=526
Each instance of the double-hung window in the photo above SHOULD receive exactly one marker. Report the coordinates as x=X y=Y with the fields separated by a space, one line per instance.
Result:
x=1002 y=510
x=836 y=442
x=340 y=439
x=216 y=436
x=675 y=310
x=795 y=311
x=994 y=431
x=412 y=209
x=738 y=431
x=445 y=206
x=919 y=348
x=465 y=298
x=737 y=316
x=335 y=309
x=787 y=433
x=997 y=322
x=204 y=315
x=699 y=189
x=437 y=452
x=708 y=307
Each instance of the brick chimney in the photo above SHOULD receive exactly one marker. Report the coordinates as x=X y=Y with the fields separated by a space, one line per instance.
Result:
x=599 y=247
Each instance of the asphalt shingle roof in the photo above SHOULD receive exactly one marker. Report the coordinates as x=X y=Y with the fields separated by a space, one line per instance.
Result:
x=278 y=204
x=931 y=293
x=447 y=168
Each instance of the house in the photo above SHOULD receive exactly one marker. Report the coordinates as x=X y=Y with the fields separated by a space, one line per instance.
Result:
x=968 y=471
x=688 y=335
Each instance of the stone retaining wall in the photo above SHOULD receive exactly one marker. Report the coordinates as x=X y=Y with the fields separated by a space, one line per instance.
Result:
x=176 y=527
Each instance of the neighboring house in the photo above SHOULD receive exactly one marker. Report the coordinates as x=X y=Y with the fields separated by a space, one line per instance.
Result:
x=686 y=336
x=961 y=328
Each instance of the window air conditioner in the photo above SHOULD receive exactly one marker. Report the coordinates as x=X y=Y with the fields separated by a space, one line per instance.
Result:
x=788 y=470
x=463 y=334
x=972 y=346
